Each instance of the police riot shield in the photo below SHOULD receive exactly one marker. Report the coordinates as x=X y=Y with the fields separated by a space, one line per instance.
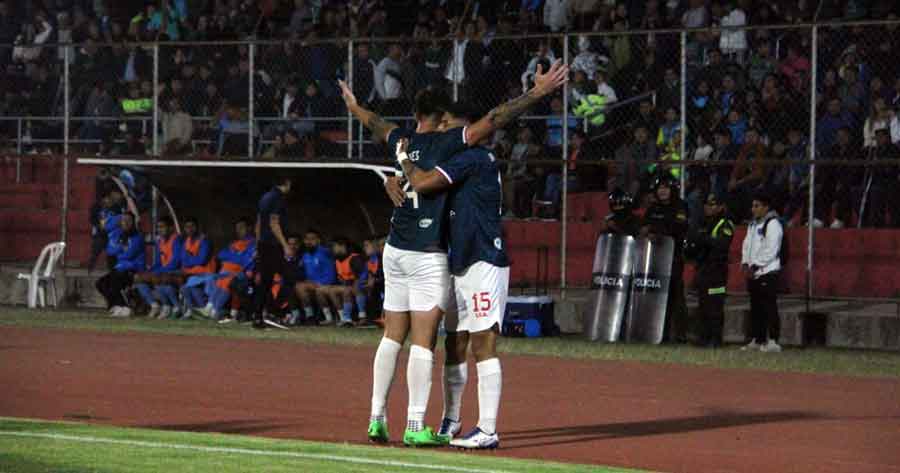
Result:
x=649 y=289
x=610 y=285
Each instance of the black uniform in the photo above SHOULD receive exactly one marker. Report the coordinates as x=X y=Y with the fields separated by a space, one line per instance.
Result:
x=672 y=220
x=623 y=223
x=711 y=245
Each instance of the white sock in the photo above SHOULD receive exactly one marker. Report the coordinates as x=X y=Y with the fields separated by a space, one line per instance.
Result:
x=418 y=379
x=383 y=375
x=328 y=315
x=455 y=378
x=490 y=382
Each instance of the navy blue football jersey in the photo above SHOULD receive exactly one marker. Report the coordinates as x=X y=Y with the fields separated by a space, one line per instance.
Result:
x=419 y=225
x=475 y=203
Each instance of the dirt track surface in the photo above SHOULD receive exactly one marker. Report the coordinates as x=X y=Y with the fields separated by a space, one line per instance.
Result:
x=658 y=417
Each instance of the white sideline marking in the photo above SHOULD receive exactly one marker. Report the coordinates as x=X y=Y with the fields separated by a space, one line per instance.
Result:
x=244 y=451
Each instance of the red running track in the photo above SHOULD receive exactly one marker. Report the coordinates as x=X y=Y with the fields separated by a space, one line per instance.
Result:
x=661 y=417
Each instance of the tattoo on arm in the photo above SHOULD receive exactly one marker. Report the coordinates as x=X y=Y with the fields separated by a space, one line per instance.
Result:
x=505 y=113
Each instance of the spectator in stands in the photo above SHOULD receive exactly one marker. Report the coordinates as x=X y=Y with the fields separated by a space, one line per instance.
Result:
x=389 y=82
x=518 y=179
x=555 y=125
x=880 y=117
x=668 y=129
x=364 y=75
x=733 y=42
x=556 y=15
x=350 y=285
x=587 y=60
x=100 y=104
x=878 y=190
x=630 y=171
x=157 y=287
x=748 y=173
x=838 y=181
x=127 y=246
x=320 y=271
x=668 y=94
x=178 y=129
x=761 y=265
x=543 y=55
x=795 y=68
x=831 y=122
x=238 y=262
x=798 y=174
x=288 y=146
x=761 y=65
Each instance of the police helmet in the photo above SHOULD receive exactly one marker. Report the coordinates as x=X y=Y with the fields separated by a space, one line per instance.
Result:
x=620 y=198
x=665 y=178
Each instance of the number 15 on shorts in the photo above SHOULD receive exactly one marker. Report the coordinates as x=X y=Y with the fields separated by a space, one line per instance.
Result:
x=481 y=304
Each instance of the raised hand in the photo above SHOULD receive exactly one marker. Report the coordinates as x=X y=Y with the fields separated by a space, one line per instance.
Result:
x=547 y=82
x=347 y=94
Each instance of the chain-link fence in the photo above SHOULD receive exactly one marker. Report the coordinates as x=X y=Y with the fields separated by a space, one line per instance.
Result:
x=804 y=113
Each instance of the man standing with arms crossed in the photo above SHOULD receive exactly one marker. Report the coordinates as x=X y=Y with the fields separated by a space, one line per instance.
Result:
x=415 y=255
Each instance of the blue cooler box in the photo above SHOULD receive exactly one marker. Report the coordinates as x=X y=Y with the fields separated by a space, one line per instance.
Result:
x=528 y=316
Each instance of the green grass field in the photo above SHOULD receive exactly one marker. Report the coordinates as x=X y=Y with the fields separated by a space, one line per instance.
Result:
x=831 y=361
x=32 y=447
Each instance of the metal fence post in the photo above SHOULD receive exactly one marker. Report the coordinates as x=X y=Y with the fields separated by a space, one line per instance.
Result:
x=684 y=130
x=455 y=67
x=155 y=131
x=66 y=92
x=64 y=211
x=251 y=115
x=350 y=115
x=812 y=168
x=565 y=177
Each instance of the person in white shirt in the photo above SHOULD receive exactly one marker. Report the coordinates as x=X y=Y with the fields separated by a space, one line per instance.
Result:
x=544 y=53
x=733 y=43
x=388 y=73
x=604 y=89
x=556 y=15
x=761 y=264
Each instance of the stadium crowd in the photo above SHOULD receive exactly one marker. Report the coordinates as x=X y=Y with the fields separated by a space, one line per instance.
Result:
x=747 y=91
x=317 y=283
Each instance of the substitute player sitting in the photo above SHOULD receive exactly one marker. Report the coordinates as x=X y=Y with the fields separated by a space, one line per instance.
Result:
x=480 y=283
x=351 y=282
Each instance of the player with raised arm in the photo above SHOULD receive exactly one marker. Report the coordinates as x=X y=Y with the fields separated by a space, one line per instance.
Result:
x=415 y=258
x=479 y=270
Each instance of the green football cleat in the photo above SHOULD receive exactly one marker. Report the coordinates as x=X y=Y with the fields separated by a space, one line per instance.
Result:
x=422 y=438
x=378 y=432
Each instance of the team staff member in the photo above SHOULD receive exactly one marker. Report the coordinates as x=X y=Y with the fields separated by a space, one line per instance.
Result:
x=761 y=264
x=196 y=262
x=271 y=244
x=126 y=244
x=710 y=245
x=668 y=216
x=621 y=219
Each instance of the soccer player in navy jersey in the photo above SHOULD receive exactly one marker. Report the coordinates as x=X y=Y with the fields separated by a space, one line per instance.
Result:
x=479 y=269
x=415 y=262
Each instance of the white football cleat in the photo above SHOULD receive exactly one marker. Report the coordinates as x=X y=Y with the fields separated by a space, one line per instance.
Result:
x=752 y=346
x=477 y=439
x=449 y=429
x=154 y=311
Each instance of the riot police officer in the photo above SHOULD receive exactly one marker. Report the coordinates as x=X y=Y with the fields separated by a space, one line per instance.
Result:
x=709 y=247
x=668 y=216
x=621 y=219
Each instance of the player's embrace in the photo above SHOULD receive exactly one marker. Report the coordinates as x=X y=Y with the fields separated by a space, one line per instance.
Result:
x=480 y=283
x=417 y=279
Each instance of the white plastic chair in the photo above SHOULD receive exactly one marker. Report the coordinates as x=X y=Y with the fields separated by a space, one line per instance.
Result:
x=43 y=275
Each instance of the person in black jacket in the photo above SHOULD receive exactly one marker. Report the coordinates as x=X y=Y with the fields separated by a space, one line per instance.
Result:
x=622 y=220
x=709 y=246
x=668 y=216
